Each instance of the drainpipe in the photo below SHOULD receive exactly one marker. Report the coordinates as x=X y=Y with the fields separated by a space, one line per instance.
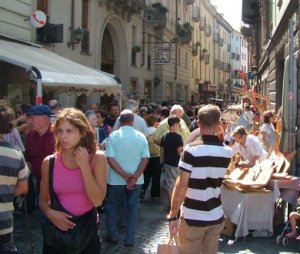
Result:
x=176 y=47
x=72 y=23
x=143 y=40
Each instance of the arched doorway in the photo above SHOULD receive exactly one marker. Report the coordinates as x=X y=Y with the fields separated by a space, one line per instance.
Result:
x=107 y=53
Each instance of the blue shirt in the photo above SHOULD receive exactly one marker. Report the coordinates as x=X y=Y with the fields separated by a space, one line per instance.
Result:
x=128 y=147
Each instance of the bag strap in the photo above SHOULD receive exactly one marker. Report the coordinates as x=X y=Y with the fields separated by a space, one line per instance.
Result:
x=175 y=238
x=51 y=166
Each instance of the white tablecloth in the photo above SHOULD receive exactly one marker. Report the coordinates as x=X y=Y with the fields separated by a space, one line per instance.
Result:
x=249 y=211
x=288 y=190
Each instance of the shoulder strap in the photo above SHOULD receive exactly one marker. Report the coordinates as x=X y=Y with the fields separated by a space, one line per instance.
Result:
x=51 y=166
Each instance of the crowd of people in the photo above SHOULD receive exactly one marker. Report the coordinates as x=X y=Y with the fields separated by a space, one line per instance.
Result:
x=75 y=164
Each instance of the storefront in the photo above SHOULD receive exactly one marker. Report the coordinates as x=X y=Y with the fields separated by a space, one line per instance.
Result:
x=28 y=70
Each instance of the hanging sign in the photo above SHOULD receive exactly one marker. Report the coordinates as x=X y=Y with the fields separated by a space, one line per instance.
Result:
x=38 y=19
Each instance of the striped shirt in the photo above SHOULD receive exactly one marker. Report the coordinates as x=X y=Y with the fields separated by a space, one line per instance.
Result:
x=206 y=159
x=12 y=169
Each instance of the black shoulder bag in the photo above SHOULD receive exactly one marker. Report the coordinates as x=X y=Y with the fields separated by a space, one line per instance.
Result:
x=74 y=240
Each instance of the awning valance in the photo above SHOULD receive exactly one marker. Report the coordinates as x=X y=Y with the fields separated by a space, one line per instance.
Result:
x=58 y=73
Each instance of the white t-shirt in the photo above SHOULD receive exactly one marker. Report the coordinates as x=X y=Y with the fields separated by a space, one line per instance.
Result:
x=249 y=115
x=270 y=133
x=251 y=149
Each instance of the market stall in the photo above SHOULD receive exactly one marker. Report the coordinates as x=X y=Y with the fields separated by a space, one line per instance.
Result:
x=249 y=194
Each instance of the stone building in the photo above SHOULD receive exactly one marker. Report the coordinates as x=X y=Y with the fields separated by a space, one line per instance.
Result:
x=158 y=51
x=274 y=44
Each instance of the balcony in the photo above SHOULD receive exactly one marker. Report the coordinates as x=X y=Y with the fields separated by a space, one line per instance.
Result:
x=189 y=2
x=207 y=30
x=216 y=37
x=221 y=41
x=196 y=13
x=184 y=33
x=126 y=8
x=203 y=52
x=195 y=46
x=228 y=47
x=206 y=58
x=202 y=24
x=156 y=15
x=221 y=65
x=228 y=68
x=216 y=63
x=250 y=9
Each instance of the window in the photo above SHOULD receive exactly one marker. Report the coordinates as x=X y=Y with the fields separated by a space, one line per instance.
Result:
x=42 y=5
x=85 y=43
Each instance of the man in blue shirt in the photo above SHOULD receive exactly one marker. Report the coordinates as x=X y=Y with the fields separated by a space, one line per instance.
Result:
x=128 y=155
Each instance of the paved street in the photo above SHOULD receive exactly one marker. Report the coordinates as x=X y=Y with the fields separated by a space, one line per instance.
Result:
x=152 y=229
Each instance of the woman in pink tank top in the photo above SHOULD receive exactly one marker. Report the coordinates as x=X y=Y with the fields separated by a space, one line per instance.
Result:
x=79 y=176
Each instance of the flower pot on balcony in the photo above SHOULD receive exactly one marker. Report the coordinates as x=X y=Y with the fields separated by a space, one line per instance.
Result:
x=136 y=48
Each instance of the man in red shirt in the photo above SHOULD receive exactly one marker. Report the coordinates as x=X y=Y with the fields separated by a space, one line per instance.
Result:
x=40 y=141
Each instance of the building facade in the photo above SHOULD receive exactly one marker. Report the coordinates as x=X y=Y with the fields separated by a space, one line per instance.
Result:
x=274 y=53
x=174 y=51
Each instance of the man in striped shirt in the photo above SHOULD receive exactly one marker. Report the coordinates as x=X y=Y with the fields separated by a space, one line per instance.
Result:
x=197 y=191
x=13 y=180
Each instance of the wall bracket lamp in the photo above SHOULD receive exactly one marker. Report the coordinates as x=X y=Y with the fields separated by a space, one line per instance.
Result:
x=76 y=37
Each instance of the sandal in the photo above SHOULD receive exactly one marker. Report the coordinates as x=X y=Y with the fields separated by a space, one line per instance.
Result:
x=292 y=235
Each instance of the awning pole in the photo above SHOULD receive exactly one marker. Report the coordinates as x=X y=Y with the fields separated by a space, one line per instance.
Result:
x=39 y=86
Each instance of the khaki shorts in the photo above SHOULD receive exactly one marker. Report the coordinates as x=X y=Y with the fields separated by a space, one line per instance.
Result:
x=171 y=174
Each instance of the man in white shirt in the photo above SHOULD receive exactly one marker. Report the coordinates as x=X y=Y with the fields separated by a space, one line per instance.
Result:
x=139 y=123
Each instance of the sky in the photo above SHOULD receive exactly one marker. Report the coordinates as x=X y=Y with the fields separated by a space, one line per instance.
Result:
x=232 y=10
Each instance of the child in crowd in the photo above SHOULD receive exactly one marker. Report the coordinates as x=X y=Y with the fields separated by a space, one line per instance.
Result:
x=172 y=144
x=294 y=216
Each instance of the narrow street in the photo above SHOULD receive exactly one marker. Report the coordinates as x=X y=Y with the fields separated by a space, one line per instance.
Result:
x=152 y=230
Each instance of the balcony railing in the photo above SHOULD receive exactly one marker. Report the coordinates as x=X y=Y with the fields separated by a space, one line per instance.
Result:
x=221 y=42
x=196 y=13
x=216 y=37
x=189 y=2
x=207 y=30
x=206 y=58
x=228 y=47
x=202 y=23
x=216 y=63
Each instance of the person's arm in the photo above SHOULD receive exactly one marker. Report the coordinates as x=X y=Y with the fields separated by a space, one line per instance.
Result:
x=179 y=150
x=58 y=218
x=264 y=140
x=178 y=196
x=115 y=165
x=94 y=178
x=132 y=180
x=21 y=187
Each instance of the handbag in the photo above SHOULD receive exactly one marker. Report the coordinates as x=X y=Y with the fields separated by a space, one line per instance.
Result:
x=76 y=239
x=169 y=248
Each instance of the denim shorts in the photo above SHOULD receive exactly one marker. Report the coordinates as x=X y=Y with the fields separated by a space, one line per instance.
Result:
x=171 y=174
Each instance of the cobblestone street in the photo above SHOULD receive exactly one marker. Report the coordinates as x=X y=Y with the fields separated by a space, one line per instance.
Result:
x=152 y=230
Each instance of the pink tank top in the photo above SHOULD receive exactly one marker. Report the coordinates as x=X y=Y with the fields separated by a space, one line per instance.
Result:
x=69 y=187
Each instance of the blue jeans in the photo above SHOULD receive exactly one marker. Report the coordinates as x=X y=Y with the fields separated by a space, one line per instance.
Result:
x=7 y=245
x=115 y=196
